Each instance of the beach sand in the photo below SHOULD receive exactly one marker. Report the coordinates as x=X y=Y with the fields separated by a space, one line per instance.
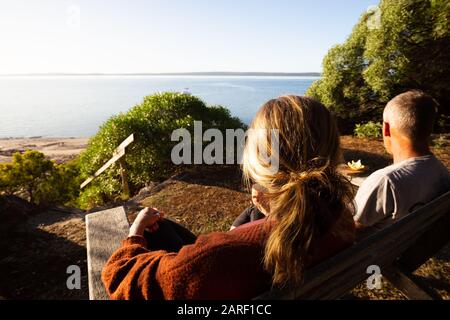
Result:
x=58 y=149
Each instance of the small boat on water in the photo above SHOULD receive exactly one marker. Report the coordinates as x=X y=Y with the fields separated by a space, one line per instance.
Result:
x=186 y=91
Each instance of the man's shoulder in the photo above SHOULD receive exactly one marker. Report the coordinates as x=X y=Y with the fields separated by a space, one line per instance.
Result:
x=394 y=169
x=408 y=171
x=380 y=176
x=417 y=168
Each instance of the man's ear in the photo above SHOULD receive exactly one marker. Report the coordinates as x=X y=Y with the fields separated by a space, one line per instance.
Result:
x=386 y=129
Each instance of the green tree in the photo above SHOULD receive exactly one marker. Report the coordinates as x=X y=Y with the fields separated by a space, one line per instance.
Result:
x=342 y=72
x=62 y=186
x=29 y=170
x=148 y=157
x=368 y=130
x=41 y=180
x=408 y=48
x=9 y=179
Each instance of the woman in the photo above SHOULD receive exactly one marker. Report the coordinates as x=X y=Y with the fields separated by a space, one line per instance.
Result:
x=309 y=219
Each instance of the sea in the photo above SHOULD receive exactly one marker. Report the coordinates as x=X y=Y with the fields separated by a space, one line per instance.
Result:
x=75 y=106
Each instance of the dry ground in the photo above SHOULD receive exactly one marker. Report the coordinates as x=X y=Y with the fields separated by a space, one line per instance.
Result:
x=58 y=149
x=35 y=255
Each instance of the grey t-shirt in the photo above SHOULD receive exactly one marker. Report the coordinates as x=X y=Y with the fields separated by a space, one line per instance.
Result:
x=395 y=191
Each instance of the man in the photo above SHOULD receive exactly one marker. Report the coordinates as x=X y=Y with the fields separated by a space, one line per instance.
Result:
x=416 y=177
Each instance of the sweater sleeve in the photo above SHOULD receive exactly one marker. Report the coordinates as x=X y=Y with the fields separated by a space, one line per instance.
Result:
x=207 y=269
x=125 y=272
x=375 y=200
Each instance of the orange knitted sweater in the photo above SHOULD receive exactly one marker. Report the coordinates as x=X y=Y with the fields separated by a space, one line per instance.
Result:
x=219 y=265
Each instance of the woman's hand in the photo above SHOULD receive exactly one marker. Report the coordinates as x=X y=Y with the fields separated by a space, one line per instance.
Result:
x=146 y=220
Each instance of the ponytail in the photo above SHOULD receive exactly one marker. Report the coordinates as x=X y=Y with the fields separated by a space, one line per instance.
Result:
x=307 y=195
x=294 y=207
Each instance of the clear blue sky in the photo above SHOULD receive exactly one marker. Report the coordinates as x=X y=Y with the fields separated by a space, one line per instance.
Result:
x=119 y=36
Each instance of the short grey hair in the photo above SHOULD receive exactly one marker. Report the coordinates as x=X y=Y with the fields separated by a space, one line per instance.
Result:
x=413 y=113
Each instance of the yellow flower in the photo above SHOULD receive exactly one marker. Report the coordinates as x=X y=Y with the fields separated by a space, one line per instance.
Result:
x=356 y=166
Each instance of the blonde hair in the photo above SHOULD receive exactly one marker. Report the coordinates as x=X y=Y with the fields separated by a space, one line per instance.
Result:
x=306 y=194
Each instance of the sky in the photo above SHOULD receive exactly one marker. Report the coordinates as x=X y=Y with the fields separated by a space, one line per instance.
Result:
x=153 y=36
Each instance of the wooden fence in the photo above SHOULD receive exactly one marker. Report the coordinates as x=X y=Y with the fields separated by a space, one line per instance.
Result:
x=118 y=154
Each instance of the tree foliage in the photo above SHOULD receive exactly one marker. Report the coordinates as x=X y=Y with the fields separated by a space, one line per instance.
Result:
x=38 y=179
x=368 y=130
x=148 y=157
x=402 y=45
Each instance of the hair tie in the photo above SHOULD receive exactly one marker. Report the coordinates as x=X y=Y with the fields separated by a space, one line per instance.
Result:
x=299 y=177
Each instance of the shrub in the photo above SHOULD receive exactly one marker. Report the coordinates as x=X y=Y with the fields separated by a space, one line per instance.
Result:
x=369 y=130
x=148 y=157
x=439 y=141
x=91 y=197
x=62 y=186
x=41 y=180
x=26 y=173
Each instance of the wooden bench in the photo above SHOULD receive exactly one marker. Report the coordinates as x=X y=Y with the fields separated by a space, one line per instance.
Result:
x=397 y=250
x=104 y=232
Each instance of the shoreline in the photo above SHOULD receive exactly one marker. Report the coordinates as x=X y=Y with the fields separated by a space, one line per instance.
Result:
x=59 y=149
x=40 y=137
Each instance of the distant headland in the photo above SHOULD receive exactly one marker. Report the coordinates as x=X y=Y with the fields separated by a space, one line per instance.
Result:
x=211 y=73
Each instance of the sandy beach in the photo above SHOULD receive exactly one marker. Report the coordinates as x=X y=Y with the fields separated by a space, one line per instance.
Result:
x=58 y=149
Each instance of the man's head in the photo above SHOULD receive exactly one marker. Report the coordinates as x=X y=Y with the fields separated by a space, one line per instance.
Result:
x=409 y=118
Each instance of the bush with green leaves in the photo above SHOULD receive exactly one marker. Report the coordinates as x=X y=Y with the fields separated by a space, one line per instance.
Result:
x=40 y=180
x=402 y=45
x=63 y=185
x=368 y=130
x=148 y=157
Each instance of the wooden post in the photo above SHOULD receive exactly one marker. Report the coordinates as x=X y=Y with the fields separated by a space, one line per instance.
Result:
x=119 y=152
x=406 y=284
x=124 y=176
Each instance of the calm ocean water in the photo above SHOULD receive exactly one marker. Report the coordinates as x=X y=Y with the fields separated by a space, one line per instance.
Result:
x=75 y=106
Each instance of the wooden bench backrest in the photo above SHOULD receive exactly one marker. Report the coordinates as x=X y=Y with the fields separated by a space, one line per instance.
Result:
x=341 y=273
